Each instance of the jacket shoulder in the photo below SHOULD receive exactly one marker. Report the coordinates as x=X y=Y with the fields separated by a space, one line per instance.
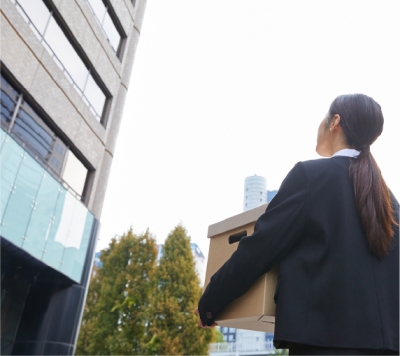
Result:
x=336 y=164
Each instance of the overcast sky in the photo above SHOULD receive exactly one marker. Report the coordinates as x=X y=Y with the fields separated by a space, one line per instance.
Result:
x=225 y=89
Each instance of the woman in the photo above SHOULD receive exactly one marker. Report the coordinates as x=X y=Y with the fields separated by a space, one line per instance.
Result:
x=333 y=230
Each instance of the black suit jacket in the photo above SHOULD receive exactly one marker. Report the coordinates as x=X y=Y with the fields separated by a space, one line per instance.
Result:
x=332 y=291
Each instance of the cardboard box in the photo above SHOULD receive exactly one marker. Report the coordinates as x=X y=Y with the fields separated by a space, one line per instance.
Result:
x=255 y=310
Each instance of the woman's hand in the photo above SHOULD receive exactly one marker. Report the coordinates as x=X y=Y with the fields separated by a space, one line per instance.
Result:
x=200 y=324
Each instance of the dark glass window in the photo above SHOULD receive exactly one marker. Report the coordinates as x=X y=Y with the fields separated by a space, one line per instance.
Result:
x=31 y=129
x=9 y=98
x=28 y=127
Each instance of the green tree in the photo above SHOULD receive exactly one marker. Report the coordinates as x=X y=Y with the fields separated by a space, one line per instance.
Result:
x=115 y=319
x=173 y=326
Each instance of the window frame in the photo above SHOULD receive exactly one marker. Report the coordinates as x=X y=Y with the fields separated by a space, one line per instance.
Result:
x=104 y=115
x=117 y=24
x=57 y=134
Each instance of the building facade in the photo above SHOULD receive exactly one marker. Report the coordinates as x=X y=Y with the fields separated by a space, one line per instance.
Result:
x=65 y=71
x=255 y=192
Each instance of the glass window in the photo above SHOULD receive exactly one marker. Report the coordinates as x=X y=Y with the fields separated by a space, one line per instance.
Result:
x=95 y=96
x=67 y=55
x=28 y=126
x=63 y=53
x=75 y=173
x=37 y=13
x=112 y=34
x=101 y=12
x=9 y=98
x=22 y=200
x=98 y=8
x=40 y=141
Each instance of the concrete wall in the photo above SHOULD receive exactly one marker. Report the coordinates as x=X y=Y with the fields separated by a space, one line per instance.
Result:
x=32 y=66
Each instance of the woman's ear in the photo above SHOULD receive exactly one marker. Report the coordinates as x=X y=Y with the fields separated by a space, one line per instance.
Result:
x=334 y=122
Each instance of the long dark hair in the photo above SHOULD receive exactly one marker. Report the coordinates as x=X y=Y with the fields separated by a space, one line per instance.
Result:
x=362 y=122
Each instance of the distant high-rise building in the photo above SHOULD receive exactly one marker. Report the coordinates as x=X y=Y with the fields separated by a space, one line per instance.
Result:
x=271 y=194
x=65 y=72
x=255 y=192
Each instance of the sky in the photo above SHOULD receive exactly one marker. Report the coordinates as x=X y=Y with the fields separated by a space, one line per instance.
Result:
x=225 y=89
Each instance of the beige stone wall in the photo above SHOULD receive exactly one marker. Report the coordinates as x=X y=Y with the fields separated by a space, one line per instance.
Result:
x=25 y=57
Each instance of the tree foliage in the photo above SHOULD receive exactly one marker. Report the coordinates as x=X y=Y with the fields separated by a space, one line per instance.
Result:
x=135 y=307
x=173 y=326
x=115 y=319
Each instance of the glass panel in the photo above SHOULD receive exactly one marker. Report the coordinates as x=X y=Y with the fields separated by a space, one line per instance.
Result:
x=3 y=137
x=7 y=106
x=112 y=33
x=53 y=249
x=37 y=12
x=95 y=96
x=40 y=215
x=74 y=257
x=34 y=134
x=66 y=53
x=98 y=9
x=10 y=160
x=75 y=173
x=40 y=222
x=70 y=233
x=22 y=201
x=8 y=100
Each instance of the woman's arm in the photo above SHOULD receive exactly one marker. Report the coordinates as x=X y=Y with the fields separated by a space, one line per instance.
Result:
x=276 y=233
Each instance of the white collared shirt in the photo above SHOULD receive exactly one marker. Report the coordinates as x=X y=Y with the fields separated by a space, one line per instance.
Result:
x=349 y=152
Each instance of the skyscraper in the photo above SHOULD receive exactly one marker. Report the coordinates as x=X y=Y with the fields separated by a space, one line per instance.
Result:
x=255 y=192
x=65 y=70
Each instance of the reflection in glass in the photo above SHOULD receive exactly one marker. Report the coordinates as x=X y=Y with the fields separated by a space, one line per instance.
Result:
x=40 y=221
x=53 y=250
x=75 y=173
x=33 y=133
x=8 y=98
x=41 y=216
x=94 y=94
x=10 y=158
x=22 y=200
x=74 y=258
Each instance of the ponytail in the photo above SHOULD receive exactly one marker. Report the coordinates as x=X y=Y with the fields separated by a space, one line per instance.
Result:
x=373 y=202
x=362 y=122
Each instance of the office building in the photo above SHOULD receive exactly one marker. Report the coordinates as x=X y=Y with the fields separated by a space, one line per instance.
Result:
x=271 y=194
x=65 y=70
x=255 y=192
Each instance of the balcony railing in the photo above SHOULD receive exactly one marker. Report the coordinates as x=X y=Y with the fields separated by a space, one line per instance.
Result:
x=39 y=215
x=243 y=347
x=58 y=61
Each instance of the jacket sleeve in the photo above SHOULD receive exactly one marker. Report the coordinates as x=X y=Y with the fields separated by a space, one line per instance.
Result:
x=276 y=233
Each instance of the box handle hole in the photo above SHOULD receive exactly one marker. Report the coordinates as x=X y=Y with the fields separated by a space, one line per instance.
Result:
x=237 y=237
